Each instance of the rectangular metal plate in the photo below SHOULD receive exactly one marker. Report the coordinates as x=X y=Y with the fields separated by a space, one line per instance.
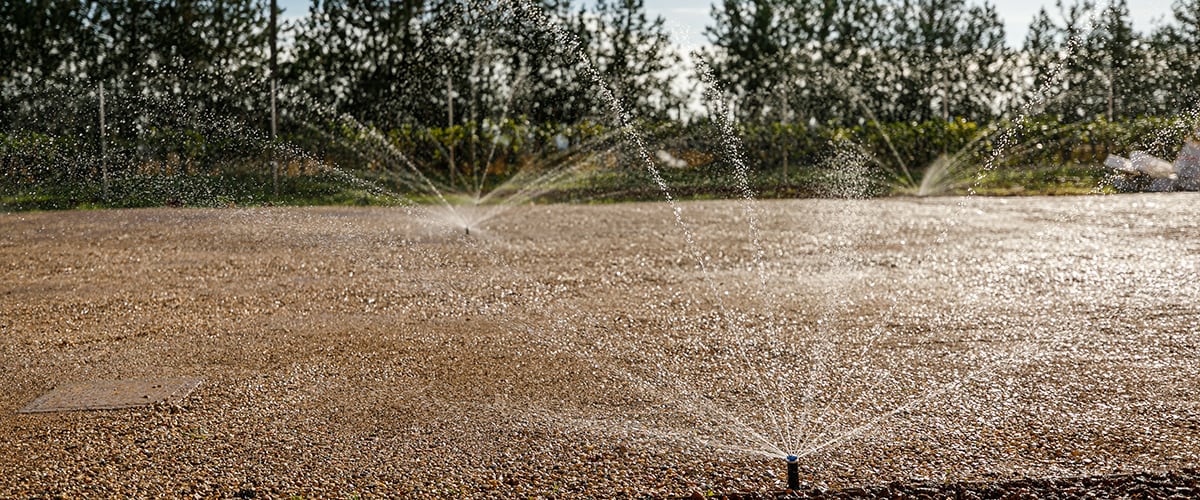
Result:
x=112 y=394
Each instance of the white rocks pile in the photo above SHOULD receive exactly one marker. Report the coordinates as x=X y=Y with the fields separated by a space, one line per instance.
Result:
x=1145 y=172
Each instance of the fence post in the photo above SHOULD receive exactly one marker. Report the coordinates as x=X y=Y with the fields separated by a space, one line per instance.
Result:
x=103 y=159
x=274 y=108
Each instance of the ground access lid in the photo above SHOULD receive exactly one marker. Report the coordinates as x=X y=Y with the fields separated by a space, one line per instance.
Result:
x=112 y=394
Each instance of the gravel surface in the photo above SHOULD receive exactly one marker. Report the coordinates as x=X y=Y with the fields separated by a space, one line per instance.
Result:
x=1182 y=484
x=600 y=351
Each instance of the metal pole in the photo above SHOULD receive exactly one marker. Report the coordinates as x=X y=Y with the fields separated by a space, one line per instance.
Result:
x=450 y=120
x=945 y=109
x=785 y=139
x=274 y=91
x=103 y=161
x=1111 y=96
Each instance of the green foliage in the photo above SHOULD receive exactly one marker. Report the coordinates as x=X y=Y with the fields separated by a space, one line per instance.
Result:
x=1110 y=71
x=180 y=167
x=831 y=61
x=391 y=101
x=450 y=62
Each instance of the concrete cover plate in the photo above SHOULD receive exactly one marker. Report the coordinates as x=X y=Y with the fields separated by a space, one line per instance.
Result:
x=112 y=394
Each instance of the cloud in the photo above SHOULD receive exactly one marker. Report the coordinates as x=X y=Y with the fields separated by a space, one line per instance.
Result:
x=689 y=11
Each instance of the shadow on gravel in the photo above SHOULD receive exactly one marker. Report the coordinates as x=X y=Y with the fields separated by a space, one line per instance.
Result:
x=1181 y=484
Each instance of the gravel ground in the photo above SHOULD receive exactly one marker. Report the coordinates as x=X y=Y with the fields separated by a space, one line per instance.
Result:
x=599 y=351
x=1182 y=484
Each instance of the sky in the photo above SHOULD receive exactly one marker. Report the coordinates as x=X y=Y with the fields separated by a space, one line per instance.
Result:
x=686 y=19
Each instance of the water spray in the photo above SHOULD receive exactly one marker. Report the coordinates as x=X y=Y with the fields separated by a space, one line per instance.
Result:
x=793 y=472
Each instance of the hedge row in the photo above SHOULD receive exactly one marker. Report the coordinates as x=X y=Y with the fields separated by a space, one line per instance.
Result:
x=318 y=161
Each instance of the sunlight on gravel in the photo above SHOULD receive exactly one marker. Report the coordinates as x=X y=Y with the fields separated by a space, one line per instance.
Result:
x=590 y=351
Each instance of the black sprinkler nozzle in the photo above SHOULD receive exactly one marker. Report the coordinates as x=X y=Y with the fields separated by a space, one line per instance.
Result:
x=793 y=476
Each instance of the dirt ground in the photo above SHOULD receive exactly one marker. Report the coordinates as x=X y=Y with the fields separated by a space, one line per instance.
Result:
x=600 y=351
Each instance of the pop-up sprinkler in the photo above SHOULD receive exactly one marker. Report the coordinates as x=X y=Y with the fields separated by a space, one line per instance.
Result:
x=793 y=466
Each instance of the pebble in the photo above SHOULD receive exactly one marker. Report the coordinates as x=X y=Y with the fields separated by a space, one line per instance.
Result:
x=1025 y=345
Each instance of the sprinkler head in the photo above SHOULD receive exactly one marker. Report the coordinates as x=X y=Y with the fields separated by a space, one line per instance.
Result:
x=467 y=229
x=793 y=472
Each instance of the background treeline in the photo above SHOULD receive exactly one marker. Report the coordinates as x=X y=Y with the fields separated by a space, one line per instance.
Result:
x=400 y=95
x=845 y=61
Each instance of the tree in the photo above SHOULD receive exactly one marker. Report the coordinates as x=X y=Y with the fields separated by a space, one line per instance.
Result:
x=1068 y=63
x=549 y=84
x=835 y=60
x=1178 y=47
x=832 y=60
x=1093 y=64
x=363 y=57
x=633 y=54
x=38 y=39
x=1040 y=54
x=192 y=52
x=42 y=42
x=749 y=57
x=1120 y=65
x=947 y=60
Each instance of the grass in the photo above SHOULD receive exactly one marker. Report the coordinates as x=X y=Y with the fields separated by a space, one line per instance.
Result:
x=609 y=186
x=1042 y=181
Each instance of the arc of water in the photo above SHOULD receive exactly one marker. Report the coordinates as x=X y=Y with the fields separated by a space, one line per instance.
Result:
x=887 y=139
x=529 y=191
x=701 y=404
x=1004 y=143
x=411 y=175
x=955 y=159
x=567 y=162
x=481 y=177
x=378 y=138
x=951 y=386
x=503 y=118
x=371 y=187
x=626 y=126
x=1039 y=99
x=1027 y=143
x=813 y=424
x=692 y=402
x=732 y=150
